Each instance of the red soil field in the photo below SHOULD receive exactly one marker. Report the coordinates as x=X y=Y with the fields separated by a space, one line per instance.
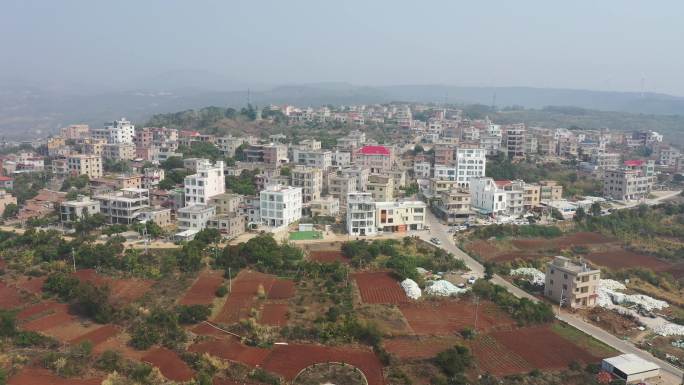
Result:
x=677 y=270
x=232 y=350
x=245 y=289
x=204 y=329
x=274 y=314
x=123 y=290
x=119 y=343
x=543 y=348
x=564 y=242
x=98 y=335
x=203 y=290
x=169 y=364
x=418 y=348
x=515 y=255
x=56 y=319
x=9 y=297
x=328 y=256
x=39 y=376
x=447 y=317
x=33 y=285
x=223 y=381
x=282 y=289
x=494 y=358
x=289 y=360
x=380 y=287
x=623 y=259
x=483 y=248
x=41 y=308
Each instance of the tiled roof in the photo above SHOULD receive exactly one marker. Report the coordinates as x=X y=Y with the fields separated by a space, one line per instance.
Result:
x=374 y=150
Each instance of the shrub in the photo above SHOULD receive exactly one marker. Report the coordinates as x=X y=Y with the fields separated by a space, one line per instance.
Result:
x=454 y=361
x=193 y=313
x=221 y=291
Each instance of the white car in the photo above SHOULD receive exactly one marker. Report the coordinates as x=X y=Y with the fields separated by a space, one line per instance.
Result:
x=471 y=280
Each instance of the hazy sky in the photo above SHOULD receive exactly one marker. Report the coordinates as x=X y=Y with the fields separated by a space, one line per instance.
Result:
x=593 y=44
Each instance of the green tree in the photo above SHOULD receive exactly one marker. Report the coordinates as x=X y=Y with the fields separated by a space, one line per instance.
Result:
x=11 y=210
x=454 y=361
x=172 y=162
x=595 y=209
x=580 y=215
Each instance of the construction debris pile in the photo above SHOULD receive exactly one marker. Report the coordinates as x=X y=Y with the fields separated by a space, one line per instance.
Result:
x=609 y=293
x=443 y=288
x=411 y=288
x=536 y=277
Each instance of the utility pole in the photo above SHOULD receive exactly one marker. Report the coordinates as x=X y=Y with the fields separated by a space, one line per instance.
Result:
x=230 y=281
x=562 y=300
x=73 y=258
x=477 y=306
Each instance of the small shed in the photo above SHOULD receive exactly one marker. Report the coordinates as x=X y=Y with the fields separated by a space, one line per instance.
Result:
x=306 y=227
x=631 y=368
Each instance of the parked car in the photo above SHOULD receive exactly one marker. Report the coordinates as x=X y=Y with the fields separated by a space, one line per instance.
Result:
x=435 y=241
x=471 y=280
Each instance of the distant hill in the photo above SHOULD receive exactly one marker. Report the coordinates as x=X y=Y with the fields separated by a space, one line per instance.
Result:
x=30 y=111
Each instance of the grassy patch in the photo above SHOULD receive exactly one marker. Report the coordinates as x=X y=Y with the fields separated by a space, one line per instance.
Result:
x=583 y=340
x=305 y=235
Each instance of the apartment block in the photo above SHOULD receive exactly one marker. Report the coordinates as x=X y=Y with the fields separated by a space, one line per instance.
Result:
x=360 y=214
x=570 y=284
x=381 y=187
x=194 y=217
x=229 y=225
x=310 y=180
x=514 y=139
x=90 y=165
x=400 y=216
x=550 y=190
x=375 y=158
x=123 y=206
x=226 y=203
x=326 y=206
x=280 y=205
x=312 y=158
x=119 y=151
x=208 y=181
x=339 y=186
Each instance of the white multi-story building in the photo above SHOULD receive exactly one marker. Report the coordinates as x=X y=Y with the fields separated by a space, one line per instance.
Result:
x=207 y=182
x=194 y=217
x=125 y=205
x=280 y=205
x=489 y=196
x=341 y=158
x=400 y=216
x=72 y=211
x=312 y=158
x=470 y=163
x=633 y=181
x=119 y=131
x=360 y=214
x=422 y=169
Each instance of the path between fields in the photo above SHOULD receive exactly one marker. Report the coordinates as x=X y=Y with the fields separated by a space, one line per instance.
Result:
x=670 y=374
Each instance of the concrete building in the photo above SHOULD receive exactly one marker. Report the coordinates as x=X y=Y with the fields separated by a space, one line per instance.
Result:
x=6 y=199
x=119 y=151
x=194 y=217
x=514 y=139
x=573 y=285
x=375 y=158
x=326 y=206
x=313 y=158
x=160 y=216
x=422 y=169
x=496 y=197
x=471 y=163
x=75 y=131
x=151 y=177
x=229 y=144
x=632 y=182
x=381 y=187
x=118 y=131
x=359 y=174
x=280 y=205
x=90 y=165
x=207 y=182
x=310 y=180
x=229 y=225
x=632 y=369
x=453 y=206
x=360 y=214
x=123 y=206
x=400 y=216
x=550 y=190
x=339 y=186
x=531 y=194
x=226 y=203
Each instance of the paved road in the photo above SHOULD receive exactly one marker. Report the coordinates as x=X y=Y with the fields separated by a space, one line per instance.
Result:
x=670 y=374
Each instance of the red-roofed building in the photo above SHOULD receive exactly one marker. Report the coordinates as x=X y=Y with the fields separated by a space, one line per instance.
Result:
x=376 y=158
x=6 y=183
x=634 y=163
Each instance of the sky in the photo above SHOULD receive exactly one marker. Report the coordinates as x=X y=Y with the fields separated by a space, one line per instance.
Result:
x=614 y=45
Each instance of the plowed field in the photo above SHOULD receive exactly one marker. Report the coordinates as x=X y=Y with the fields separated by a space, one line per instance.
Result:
x=203 y=290
x=447 y=317
x=380 y=287
x=169 y=364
